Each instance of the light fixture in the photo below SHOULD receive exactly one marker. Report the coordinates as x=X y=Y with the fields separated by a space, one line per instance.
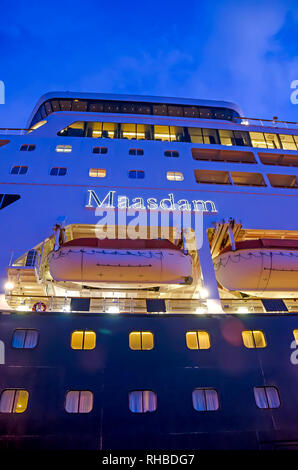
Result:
x=66 y=308
x=204 y=292
x=200 y=310
x=113 y=309
x=9 y=285
x=214 y=306
x=23 y=308
x=242 y=310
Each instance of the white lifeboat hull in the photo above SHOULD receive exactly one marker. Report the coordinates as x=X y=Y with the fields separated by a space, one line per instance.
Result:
x=128 y=266
x=262 y=271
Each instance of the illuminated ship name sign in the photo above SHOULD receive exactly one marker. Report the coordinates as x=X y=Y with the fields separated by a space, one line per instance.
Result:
x=112 y=201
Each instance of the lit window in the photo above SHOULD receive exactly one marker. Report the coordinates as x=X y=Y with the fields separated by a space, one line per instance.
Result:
x=266 y=397
x=287 y=142
x=24 y=339
x=64 y=148
x=97 y=172
x=171 y=153
x=136 y=152
x=205 y=399
x=258 y=139
x=254 y=339
x=19 y=170
x=79 y=401
x=14 y=401
x=243 y=178
x=57 y=171
x=215 y=155
x=27 y=148
x=295 y=333
x=161 y=133
x=136 y=174
x=283 y=181
x=142 y=401
x=83 y=340
x=175 y=176
x=141 y=340
x=212 y=177
x=100 y=150
x=198 y=340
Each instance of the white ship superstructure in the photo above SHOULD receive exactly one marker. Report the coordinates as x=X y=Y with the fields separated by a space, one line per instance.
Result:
x=85 y=153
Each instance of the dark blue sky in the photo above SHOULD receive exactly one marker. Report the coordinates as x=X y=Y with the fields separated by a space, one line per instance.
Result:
x=241 y=51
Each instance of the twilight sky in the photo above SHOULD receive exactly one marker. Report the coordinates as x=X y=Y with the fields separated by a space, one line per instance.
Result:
x=241 y=51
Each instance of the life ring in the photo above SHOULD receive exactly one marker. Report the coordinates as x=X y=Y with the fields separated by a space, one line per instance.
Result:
x=39 y=307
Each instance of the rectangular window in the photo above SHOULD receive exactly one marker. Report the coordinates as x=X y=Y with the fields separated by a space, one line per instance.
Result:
x=136 y=174
x=175 y=176
x=109 y=130
x=278 y=159
x=254 y=339
x=101 y=150
x=266 y=397
x=142 y=401
x=205 y=399
x=283 y=181
x=128 y=131
x=136 y=152
x=177 y=134
x=63 y=148
x=210 y=136
x=242 y=178
x=76 y=129
x=58 y=171
x=79 y=401
x=141 y=340
x=258 y=139
x=215 y=155
x=287 y=142
x=212 y=177
x=195 y=134
x=14 y=401
x=83 y=339
x=24 y=339
x=272 y=141
x=171 y=153
x=27 y=148
x=161 y=133
x=198 y=340
x=94 y=129
x=97 y=172
x=19 y=170
x=226 y=137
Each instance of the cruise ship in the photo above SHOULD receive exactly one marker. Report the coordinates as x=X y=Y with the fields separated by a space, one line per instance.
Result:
x=148 y=276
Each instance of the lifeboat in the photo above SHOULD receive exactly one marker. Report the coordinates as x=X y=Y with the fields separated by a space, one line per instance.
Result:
x=93 y=262
x=264 y=267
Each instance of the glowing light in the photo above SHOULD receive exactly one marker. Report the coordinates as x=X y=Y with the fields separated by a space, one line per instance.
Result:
x=204 y=293
x=9 y=285
x=66 y=308
x=214 y=306
x=242 y=310
x=200 y=310
x=23 y=308
x=113 y=309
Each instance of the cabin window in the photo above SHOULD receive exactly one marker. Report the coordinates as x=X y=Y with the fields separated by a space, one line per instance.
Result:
x=283 y=181
x=258 y=139
x=63 y=148
x=19 y=170
x=287 y=142
x=14 y=401
x=272 y=141
x=27 y=148
x=79 y=401
x=175 y=176
x=266 y=397
x=94 y=129
x=212 y=177
x=97 y=172
x=76 y=129
x=136 y=152
x=254 y=339
x=7 y=199
x=58 y=171
x=83 y=339
x=210 y=136
x=136 y=174
x=198 y=340
x=177 y=134
x=171 y=153
x=205 y=399
x=161 y=133
x=195 y=134
x=278 y=159
x=101 y=150
x=109 y=130
x=142 y=401
x=243 y=178
x=25 y=339
x=141 y=340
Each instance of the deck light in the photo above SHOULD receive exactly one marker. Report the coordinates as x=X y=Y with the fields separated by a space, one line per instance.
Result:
x=204 y=293
x=9 y=285
x=113 y=309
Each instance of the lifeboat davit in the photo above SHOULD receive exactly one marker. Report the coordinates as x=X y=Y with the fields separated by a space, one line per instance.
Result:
x=91 y=261
x=264 y=267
